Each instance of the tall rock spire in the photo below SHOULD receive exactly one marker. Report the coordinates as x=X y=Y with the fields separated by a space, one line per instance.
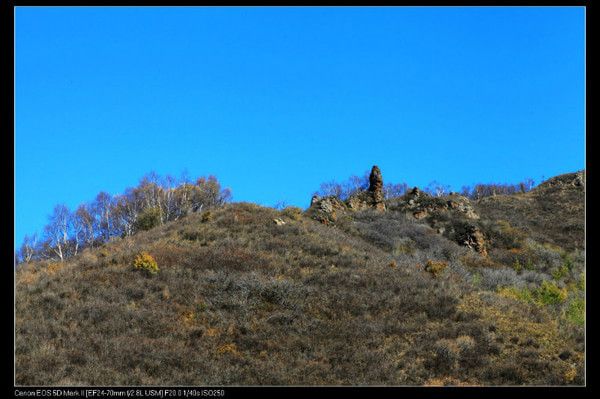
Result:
x=376 y=188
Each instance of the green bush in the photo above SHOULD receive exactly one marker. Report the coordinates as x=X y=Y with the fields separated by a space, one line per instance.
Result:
x=549 y=294
x=581 y=283
x=560 y=272
x=146 y=262
x=476 y=280
x=517 y=266
x=148 y=218
x=575 y=312
x=523 y=295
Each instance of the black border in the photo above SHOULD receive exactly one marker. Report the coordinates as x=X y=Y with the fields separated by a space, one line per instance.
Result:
x=7 y=119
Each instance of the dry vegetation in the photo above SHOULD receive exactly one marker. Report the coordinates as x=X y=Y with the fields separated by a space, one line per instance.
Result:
x=380 y=299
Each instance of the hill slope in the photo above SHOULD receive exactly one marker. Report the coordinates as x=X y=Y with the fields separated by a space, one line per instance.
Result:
x=552 y=212
x=248 y=295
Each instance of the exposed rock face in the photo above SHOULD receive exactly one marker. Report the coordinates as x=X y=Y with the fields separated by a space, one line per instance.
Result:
x=360 y=201
x=463 y=205
x=576 y=179
x=326 y=210
x=444 y=214
x=376 y=188
x=420 y=214
x=421 y=204
x=473 y=238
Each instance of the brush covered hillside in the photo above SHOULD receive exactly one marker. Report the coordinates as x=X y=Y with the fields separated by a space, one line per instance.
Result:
x=411 y=290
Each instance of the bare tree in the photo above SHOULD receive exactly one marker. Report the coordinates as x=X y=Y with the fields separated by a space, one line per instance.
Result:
x=345 y=189
x=391 y=190
x=28 y=249
x=331 y=188
x=76 y=228
x=57 y=231
x=437 y=189
x=85 y=218
x=168 y=184
x=527 y=184
x=125 y=210
x=101 y=209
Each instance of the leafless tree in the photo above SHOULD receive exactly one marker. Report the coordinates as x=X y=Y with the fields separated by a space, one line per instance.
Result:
x=28 y=248
x=57 y=231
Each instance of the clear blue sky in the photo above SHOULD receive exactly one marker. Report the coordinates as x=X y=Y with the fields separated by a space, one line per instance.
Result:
x=274 y=101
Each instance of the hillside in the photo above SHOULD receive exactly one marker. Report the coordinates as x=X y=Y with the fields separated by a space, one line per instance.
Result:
x=552 y=212
x=414 y=290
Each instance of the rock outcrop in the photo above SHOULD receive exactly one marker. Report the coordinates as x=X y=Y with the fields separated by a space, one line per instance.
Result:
x=422 y=205
x=473 y=238
x=576 y=179
x=450 y=215
x=372 y=197
x=376 y=188
x=461 y=204
x=328 y=209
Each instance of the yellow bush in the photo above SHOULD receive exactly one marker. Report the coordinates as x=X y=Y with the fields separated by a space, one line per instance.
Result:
x=54 y=267
x=188 y=317
x=435 y=267
x=570 y=374
x=145 y=261
x=212 y=332
x=206 y=217
x=227 y=348
x=293 y=212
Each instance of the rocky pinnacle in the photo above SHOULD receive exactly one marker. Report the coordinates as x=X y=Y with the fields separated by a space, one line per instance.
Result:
x=376 y=187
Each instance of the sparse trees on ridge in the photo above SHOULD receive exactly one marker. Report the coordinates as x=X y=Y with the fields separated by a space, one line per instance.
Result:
x=480 y=190
x=345 y=189
x=57 y=231
x=355 y=184
x=437 y=189
x=392 y=190
x=153 y=202
x=28 y=248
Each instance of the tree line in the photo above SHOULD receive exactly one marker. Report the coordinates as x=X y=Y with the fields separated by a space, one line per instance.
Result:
x=343 y=190
x=480 y=190
x=154 y=201
x=354 y=184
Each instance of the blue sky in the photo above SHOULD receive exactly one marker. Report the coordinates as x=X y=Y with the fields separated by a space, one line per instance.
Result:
x=274 y=101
